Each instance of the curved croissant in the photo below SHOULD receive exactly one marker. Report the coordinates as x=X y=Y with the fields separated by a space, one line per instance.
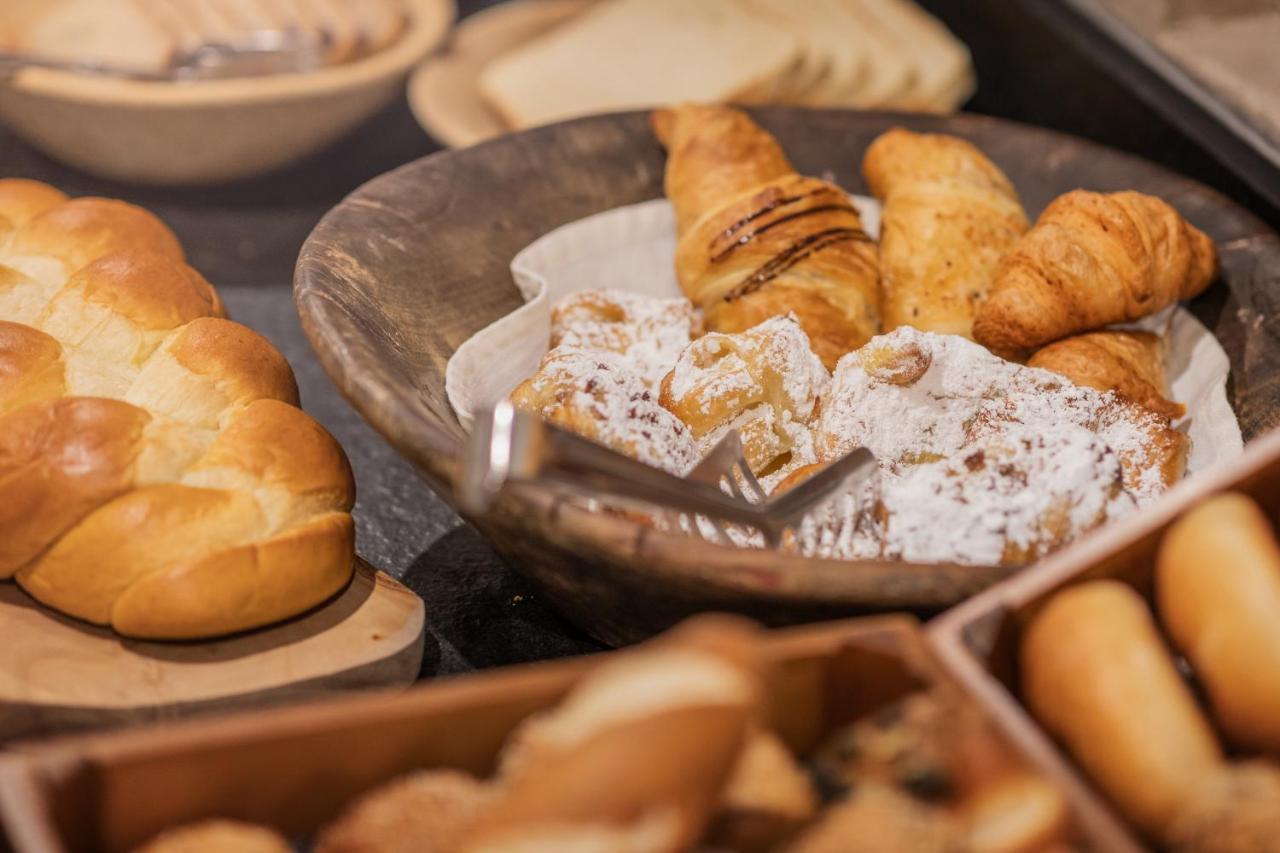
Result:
x=156 y=474
x=756 y=239
x=1128 y=362
x=949 y=216
x=1093 y=259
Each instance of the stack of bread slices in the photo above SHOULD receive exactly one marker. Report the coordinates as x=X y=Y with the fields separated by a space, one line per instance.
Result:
x=627 y=54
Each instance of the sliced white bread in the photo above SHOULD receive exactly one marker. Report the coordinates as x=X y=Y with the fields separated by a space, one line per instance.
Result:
x=113 y=32
x=847 y=56
x=890 y=71
x=628 y=54
x=812 y=62
x=943 y=68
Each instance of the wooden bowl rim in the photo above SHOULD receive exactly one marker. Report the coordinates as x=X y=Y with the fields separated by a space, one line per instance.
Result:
x=428 y=25
x=393 y=408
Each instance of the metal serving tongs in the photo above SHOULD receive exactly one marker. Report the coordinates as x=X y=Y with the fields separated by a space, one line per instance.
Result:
x=254 y=53
x=509 y=446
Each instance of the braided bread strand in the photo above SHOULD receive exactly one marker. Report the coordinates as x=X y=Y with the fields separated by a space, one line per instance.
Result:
x=156 y=474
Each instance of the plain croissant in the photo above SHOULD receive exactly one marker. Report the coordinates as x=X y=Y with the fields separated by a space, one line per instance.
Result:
x=757 y=240
x=1093 y=259
x=1128 y=362
x=950 y=215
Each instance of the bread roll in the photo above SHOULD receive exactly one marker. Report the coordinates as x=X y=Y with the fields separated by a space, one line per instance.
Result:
x=592 y=767
x=424 y=812
x=1218 y=591
x=1096 y=674
x=217 y=836
x=155 y=472
x=950 y=216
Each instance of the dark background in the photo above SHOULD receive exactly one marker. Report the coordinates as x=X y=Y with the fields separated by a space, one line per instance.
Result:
x=245 y=238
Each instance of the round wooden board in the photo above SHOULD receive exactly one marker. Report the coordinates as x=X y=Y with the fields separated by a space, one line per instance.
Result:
x=443 y=93
x=58 y=674
x=434 y=239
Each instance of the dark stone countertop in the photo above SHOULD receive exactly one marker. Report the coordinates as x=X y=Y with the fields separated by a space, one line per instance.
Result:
x=245 y=238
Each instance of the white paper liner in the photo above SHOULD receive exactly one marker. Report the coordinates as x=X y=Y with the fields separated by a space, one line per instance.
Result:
x=633 y=248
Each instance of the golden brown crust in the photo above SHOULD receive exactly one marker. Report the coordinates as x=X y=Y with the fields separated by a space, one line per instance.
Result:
x=423 y=812
x=756 y=240
x=217 y=836
x=59 y=460
x=949 y=217
x=82 y=230
x=1218 y=591
x=766 y=800
x=1091 y=260
x=876 y=818
x=1130 y=363
x=1236 y=810
x=155 y=472
x=689 y=693
x=31 y=368
x=1097 y=675
x=152 y=290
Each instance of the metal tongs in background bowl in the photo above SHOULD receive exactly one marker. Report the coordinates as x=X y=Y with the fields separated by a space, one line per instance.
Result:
x=509 y=446
x=253 y=54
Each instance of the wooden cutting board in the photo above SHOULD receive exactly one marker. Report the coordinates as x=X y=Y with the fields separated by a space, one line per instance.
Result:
x=58 y=674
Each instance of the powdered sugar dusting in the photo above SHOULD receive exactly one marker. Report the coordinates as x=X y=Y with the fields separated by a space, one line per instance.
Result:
x=598 y=396
x=647 y=332
x=986 y=461
x=765 y=382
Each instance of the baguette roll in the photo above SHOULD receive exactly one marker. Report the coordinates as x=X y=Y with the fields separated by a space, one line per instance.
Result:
x=1097 y=675
x=1218 y=592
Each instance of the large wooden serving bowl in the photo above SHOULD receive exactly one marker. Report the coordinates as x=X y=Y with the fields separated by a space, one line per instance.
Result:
x=396 y=277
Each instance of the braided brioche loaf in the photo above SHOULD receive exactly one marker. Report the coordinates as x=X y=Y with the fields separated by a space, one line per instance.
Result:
x=156 y=474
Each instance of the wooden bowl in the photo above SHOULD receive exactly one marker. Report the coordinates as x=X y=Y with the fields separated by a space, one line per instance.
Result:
x=213 y=130
x=395 y=278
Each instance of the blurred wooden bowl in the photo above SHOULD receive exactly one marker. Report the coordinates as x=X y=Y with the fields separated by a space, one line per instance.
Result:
x=395 y=278
x=214 y=130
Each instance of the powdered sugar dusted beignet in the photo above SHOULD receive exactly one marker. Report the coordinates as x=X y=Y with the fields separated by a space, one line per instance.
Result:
x=985 y=461
x=648 y=333
x=765 y=382
x=914 y=396
x=594 y=395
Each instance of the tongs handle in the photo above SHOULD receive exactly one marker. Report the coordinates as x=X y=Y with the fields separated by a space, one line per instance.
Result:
x=511 y=446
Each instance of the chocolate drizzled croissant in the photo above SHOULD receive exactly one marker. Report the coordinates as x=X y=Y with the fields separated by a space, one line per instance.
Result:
x=756 y=239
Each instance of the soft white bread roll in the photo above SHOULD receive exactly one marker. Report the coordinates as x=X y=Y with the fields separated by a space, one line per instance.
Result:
x=637 y=753
x=424 y=812
x=767 y=799
x=155 y=473
x=1218 y=592
x=1097 y=675
x=217 y=836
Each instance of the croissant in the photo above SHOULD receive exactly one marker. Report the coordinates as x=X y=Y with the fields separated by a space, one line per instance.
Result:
x=156 y=474
x=949 y=216
x=756 y=240
x=1093 y=259
x=1130 y=363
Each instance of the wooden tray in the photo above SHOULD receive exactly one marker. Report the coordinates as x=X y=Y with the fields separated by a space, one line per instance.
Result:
x=294 y=768
x=59 y=674
x=396 y=277
x=442 y=91
x=977 y=641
